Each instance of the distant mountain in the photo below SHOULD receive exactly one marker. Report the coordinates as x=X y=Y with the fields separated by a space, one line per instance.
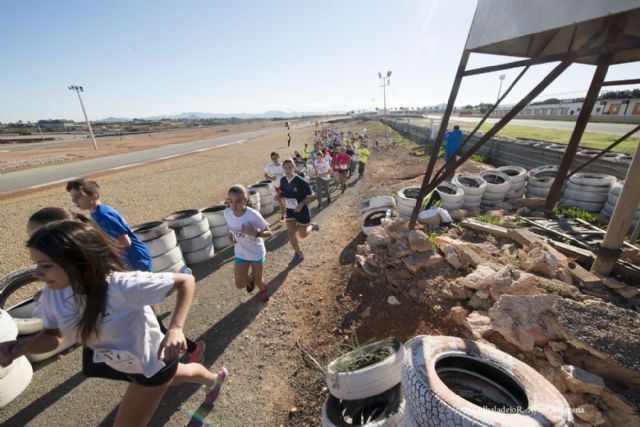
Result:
x=200 y=116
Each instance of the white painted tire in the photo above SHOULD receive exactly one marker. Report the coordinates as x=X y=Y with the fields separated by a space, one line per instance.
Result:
x=162 y=245
x=214 y=215
x=371 y=219
x=616 y=188
x=594 y=179
x=516 y=174
x=10 y=284
x=22 y=315
x=584 y=196
x=587 y=188
x=175 y=268
x=192 y=230
x=200 y=255
x=492 y=197
x=497 y=182
x=587 y=206
x=378 y=202
x=182 y=218
x=471 y=184
x=195 y=244
x=267 y=208
x=452 y=207
x=515 y=194
x=537 y=192
x=222 y=242
x=150 y=230
x=17 y=376
x=542 y=176
x=470 y=200
x=166 y=260
x=219 y=231
x=433 y=364
x=254 y=198
x=406 y=200
x=342 y=413
x=450 y=193
x=368 y=381
x=68 y=341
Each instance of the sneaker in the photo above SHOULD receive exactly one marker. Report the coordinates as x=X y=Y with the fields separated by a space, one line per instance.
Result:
x=186 y=270
x=297 y=258
x=263 y=296
x=197 y=355
x=315 y=226
x=214 y=390
x=251 y=286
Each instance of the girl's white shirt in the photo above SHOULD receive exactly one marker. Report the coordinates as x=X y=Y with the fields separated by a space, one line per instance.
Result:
x=247 y=247
x=128 y=333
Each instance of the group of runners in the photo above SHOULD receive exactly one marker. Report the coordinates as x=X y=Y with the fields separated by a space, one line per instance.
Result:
x=99 y=286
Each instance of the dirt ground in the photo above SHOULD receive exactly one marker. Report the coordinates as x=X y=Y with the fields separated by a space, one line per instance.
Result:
x=325 y=303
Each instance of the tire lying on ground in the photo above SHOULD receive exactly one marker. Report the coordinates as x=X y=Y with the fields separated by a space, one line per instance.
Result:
x=587 y=191
x=372 y=219
x=161 y=241
x=17 y=376
x=473 y=187
x=254 y=198
x=452 y=195
x=195 y=247
x=406 y=200
x=9 y=284
x=379 y=202
x=383 y=410
x=517 y=178
x=370 y=380
x=498 y=185
x=469 y=383
x=540 y=179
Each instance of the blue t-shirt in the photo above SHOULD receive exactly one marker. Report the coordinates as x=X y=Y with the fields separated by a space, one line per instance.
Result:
x=135 y=256
x=453 y=140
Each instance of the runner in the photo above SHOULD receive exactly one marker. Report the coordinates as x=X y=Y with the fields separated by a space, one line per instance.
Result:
x=363 y=158
x=273 y=171
x=107 y=308
x=341 y=163
x=247 y=228
x=322 y=174
x=296 y=194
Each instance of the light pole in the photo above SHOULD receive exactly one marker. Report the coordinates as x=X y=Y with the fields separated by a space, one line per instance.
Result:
x=386 y=81
x=501 y=77
x=79 y=89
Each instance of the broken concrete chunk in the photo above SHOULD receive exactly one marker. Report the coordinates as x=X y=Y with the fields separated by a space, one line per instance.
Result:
x=503 y=277
x=557 y=346
x=477 y=323
x=580 y=381
x=458 y=214
x=564 y=275
x=421 y=260
x=540 y=261
x=396 y=228
x=481 y=277
x=398 y=249
x=554 y=358
x=478 y=303
x=378 y=238
x=393 y=300
x=618 y=403
x=590 y=414
x=419 y=241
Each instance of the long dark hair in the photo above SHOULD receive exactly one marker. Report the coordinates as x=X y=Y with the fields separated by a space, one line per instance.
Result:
x=88 y=256
x=50 y=214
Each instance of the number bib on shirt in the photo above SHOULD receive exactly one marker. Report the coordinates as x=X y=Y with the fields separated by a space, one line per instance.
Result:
x=119 y=360
x=343 y=167
x=290 y=203
x=239 y=235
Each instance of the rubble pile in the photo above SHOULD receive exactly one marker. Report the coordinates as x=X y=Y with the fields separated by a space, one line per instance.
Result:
x=520 y=294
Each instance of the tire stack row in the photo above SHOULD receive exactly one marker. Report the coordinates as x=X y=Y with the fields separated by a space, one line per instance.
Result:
x=17 y=376
x=374 y=210
x=193 y=235
x=612 y=199
x=517 y=178
x=267 y=201
x=162 y=243
x=369 y=396
x=498 y=185
x=540 y=179
x=254 y=197
x=451 y=195
x=588 y=191
x=217 y=226
x=406 y=200
x=473 y=187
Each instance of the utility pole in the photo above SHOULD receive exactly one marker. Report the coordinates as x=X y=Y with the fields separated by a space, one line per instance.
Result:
x=386 y=81
x=501 y=77
x=79 y=89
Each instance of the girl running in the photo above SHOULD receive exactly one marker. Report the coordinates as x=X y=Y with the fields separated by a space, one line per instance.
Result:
x=88 y=293
x=247 y=228
x=341 y=164
x=296 y=195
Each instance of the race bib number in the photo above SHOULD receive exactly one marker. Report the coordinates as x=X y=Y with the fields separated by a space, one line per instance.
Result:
x=343 y=167
x=119 y=360
x=290 y=203
x=239 y=235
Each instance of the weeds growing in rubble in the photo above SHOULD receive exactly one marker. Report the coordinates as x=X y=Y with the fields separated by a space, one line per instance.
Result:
x=362 y=356
x=573 y=213
x=489 y=219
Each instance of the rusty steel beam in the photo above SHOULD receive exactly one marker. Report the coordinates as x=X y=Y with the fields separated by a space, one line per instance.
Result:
x=621 y=82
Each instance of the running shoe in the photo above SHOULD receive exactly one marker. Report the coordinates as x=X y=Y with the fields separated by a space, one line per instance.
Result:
x=315 y=226
x=263 y=296
x=214 y=390
x=298 y=257
x=197 y=355
x=251 y=286
x=186 y=270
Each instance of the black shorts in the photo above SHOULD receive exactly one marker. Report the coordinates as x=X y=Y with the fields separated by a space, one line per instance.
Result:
x=302 y=218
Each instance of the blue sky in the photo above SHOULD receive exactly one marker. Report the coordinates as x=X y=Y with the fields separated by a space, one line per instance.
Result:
x=142 y=58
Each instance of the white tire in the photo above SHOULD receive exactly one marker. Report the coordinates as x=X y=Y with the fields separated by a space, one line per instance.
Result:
x=200 y=255
x=450 y=193
x=492 y=197
x=595 y=179
x=436 y=367
x=497 y=182
x=378 y=202
x=616 y=188
x=254 y=197
x=371 y=219
x=587 y=206
x=452 y=207
x=215 y=216
x=341 y=413
x=472 y=198
x=219 y=231
x=168 y=259
x=17 y=376
x=22 y=315
x=516 y=194
x=175 y=268
x=587 y=188
x=471 y=184
x=221 y=242
x=267 y=208
x=406 y=200
x=162 y=245
x=516 y=174
x=192 y=230
x=182 y=218
x=368 y=381
x=150 y=230
x=537 y=192
x=585 y=196
x=542 y=175
x=195 y=244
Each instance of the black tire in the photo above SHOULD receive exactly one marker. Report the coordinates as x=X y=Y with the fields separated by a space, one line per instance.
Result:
x=9 y=284
x=382 y=410
x=150 y=230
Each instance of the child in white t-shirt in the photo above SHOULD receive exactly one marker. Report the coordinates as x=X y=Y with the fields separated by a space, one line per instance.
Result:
x=247 y=228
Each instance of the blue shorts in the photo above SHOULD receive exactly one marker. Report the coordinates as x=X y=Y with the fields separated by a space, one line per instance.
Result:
x=237 y=260
x=302 y=218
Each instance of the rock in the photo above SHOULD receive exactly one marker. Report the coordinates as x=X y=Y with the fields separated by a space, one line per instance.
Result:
x=419 y=241
x=590 y=414
x=454 y=261
x=367 y=267
x=477 y=323
x=554 y=358
x=608 y=332
x=393 y=300
x=509 y=248
x=618 y=403
x=365 y=313
x=623 y=420
x=503 y=278
x=398 y=249
x=523 y=320
x=458 y=214
x=540 y=261
x=363 y=249
x=378 y=238
x=458 y=315
x=421 y=260
x=397 y=228
x=557 y=346
x=397 y=276
x=481 y=277
x=469 y=254
x=580 y=381
x=557 y=287
x=478 y=303
x=553 y=376
x=458 y=290
x=482 y=294
x=430 y=220
x=498 y=213
x=628 y=292
x=563 y=274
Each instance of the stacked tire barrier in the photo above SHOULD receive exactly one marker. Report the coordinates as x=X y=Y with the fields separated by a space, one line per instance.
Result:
x=254 y=197
x=451 y=195
x=374 y=210
x=517 y=178
x=267 y=201
x=371 y=395
x=540 y=179
x=193 y=235
x=450 y=381
x=162 y=243
x=498 y=185
x=610 y=204
x=406 y=200
x=17 y=376
x=473 y=187
x=218 y=226
x=588 y=191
